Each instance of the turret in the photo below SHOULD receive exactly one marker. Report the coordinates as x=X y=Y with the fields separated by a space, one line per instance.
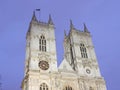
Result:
x=71 y=25
x=34 y=17
x=85 y=28
x=65 y=33
x=50 y=20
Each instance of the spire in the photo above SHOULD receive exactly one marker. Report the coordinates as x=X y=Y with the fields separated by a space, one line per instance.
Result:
x=85 y=28
x=65 y=33
x=50 y=20
x=34 y=17
x=71 y=24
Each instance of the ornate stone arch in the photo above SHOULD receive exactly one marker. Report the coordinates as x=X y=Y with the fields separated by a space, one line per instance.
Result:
x=44 y=86
x=68 y=86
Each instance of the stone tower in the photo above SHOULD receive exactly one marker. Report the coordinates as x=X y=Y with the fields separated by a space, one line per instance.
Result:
x=79 y=69
x=79 y=51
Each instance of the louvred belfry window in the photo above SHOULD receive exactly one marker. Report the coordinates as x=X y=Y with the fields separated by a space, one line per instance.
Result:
x=83 y=51
x=42 y=44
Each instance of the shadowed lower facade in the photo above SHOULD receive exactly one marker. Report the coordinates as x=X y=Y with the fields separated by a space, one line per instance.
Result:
x=79 y=69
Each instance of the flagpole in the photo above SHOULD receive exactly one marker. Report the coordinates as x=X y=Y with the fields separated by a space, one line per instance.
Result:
x=38 y=10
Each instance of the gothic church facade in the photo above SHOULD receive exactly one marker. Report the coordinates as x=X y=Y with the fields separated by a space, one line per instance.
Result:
x=79 y=69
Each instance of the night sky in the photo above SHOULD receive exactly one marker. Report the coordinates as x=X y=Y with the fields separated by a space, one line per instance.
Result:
x=102 y=18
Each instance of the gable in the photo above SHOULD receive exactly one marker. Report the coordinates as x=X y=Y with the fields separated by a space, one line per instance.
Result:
x=65 y=66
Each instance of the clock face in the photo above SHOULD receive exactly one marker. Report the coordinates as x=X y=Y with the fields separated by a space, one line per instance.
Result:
x=88 y=71
x=43 y=65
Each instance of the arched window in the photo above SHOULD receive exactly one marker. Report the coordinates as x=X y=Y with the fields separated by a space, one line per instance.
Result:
x=42 y=44
x=68 y=88
x=43 y=86
x=83 y=51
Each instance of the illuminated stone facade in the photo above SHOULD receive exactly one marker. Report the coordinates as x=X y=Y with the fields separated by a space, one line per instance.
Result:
x=79 y=69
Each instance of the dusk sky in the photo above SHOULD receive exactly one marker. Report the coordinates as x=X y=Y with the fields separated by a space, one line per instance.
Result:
x=102 y=18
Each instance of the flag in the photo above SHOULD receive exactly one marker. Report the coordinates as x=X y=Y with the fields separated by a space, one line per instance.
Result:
x=37 y=9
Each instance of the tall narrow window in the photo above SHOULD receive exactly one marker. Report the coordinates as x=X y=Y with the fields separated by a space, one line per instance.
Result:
x=67 y=88
x=83 y=51
x=42 y=44
x=43 y=86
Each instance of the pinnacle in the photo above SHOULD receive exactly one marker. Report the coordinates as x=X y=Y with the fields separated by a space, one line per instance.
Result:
x=65 y=33
x=85 y=28
x=71 y=24
x=50 y=20
x=34 y=17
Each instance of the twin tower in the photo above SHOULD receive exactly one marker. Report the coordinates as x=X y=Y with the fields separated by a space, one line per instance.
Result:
x=79 y=69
